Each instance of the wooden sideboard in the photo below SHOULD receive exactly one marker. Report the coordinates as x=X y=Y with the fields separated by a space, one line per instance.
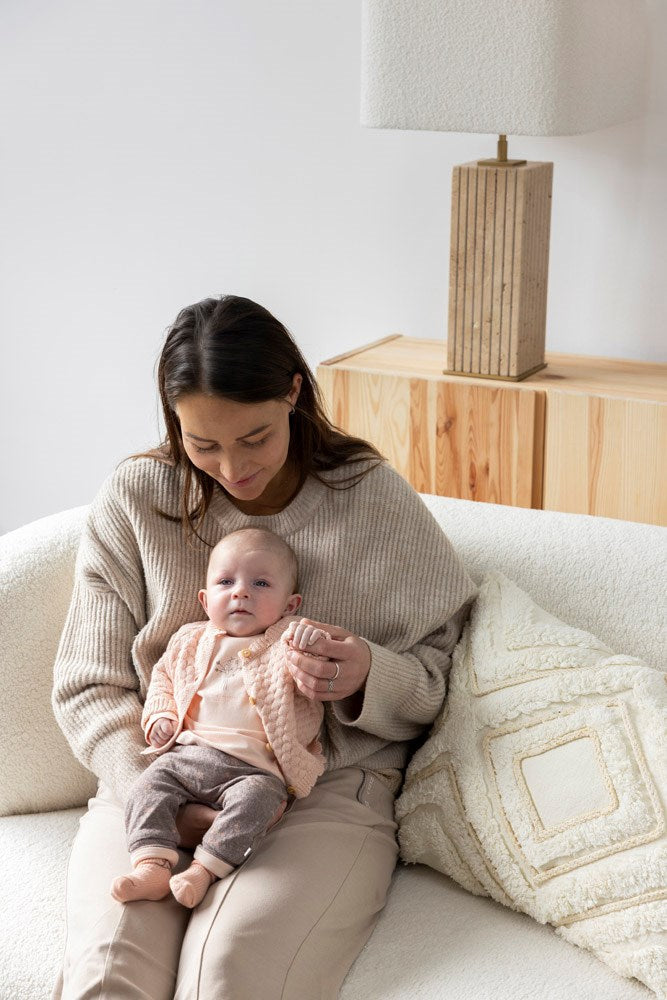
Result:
x=586 y=435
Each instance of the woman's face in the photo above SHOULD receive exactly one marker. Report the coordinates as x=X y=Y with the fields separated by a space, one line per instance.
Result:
x=243 y=446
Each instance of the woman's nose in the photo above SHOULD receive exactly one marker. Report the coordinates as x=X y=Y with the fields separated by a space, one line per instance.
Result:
x=231 y=473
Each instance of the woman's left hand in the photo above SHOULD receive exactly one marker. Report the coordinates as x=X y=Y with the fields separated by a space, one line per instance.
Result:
x=341 y=674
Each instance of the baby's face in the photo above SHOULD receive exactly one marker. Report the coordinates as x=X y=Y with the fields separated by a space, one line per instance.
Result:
x=248 y=588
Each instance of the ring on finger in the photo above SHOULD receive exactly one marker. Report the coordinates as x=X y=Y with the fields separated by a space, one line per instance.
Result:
x=330 y=685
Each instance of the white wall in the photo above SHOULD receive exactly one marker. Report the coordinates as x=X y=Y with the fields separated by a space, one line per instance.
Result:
x=155 y=152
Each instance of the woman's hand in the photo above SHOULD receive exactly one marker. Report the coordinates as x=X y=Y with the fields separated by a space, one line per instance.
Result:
x=335 y=666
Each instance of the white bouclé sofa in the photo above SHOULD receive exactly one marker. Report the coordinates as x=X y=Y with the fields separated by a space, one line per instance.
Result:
x=433 y=939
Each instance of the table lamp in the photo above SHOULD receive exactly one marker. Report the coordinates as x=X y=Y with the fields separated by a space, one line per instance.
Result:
x=509 y=67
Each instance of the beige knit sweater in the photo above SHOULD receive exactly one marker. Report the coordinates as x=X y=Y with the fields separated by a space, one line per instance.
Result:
x=372 y=559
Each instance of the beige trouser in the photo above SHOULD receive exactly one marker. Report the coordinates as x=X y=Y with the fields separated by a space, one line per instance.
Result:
x=287 y=924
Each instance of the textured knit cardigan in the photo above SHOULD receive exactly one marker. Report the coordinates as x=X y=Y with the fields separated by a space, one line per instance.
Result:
x=291 y=721
x=371 y=558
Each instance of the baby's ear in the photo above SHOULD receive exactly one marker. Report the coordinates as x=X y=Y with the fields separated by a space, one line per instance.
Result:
x=293 y=604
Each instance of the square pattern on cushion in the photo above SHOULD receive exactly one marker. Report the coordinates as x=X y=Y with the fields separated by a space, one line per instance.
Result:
x=543 y=780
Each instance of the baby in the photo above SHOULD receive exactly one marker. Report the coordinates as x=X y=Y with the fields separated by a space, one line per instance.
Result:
x=239 y=735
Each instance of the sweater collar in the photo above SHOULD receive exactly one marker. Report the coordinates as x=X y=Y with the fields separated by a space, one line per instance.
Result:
x=297 y=513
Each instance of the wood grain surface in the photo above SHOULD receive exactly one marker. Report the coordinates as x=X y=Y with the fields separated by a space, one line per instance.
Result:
x=586 y=435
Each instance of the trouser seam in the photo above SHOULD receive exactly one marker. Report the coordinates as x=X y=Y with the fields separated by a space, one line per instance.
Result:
x=62 y=964
x=232 y=878
x=324 y=913
x=107 y=960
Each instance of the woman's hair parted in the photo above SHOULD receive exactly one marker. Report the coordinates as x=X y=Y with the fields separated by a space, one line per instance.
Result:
x=234 y=348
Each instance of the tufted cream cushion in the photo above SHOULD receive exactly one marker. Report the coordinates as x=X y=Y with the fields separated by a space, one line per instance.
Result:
x=543 y=781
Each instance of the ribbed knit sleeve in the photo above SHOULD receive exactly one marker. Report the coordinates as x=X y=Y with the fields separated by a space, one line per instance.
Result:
x=422 y=593
x=95 y=695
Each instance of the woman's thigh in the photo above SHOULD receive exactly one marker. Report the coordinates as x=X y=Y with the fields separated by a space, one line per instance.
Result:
x=124 y=951
x=289 y=923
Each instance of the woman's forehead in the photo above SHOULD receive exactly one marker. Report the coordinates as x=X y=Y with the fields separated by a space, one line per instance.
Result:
x=208 y=418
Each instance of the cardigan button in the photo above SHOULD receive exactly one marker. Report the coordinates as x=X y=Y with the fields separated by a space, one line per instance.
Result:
x=291 y=790
x=251 y=700
x=246 y=653
x=269 y=748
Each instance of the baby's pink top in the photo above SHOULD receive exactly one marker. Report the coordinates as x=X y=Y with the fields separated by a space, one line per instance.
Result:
x=222 y=695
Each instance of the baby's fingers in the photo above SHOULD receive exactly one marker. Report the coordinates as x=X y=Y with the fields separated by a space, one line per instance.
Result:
x=307 y=635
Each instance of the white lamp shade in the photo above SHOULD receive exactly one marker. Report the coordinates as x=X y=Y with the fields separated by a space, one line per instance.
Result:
x=519 y=67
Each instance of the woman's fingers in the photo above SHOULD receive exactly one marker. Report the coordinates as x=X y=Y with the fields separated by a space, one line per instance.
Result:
x=314 y=668
x=327 y=666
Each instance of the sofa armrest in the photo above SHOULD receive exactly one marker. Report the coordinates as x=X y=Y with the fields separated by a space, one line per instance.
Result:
x=37 y=769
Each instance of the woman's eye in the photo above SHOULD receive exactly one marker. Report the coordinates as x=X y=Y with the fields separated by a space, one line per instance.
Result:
x=202 y=451
x=257 y=444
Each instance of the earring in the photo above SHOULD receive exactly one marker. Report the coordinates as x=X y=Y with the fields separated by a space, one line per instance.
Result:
x=291 y=410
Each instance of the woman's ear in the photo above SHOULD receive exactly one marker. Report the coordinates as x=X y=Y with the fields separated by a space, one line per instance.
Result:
x=293 y=604
x=293 y=394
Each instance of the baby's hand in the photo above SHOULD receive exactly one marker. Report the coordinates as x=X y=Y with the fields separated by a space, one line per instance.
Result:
x=301 y=636
x=161 y=732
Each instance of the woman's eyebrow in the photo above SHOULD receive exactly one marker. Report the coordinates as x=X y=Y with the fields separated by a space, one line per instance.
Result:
x=252 y=433
x=196 y=437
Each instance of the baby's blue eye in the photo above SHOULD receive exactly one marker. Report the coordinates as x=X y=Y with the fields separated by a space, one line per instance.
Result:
x=261 y=583
x=226 y=582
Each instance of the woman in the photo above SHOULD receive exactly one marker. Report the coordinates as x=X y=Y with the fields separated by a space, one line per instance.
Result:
x=248 y=445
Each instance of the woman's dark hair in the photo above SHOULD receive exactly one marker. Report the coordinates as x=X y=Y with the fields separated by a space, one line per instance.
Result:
x=234 y=348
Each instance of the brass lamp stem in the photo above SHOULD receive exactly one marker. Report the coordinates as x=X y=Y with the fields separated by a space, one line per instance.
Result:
x=502 y=160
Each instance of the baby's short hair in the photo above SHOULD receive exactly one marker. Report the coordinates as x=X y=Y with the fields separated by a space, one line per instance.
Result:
x=274 y=542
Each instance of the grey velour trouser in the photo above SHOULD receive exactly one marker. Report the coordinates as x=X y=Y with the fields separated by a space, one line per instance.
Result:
x=247 y=797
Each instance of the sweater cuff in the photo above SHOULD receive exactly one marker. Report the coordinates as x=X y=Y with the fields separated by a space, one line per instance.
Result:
x=380 y=708
x=117 y=761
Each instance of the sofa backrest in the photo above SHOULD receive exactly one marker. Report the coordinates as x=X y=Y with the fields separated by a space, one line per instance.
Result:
x=602 y=575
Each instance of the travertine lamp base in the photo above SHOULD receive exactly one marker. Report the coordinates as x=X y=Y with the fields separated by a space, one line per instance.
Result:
x=499 y=260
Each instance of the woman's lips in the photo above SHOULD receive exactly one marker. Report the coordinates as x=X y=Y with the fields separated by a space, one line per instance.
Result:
x=244 y=482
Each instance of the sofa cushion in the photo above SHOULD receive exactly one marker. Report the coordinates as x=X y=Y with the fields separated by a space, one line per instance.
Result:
x=542 y=782
x=432 y=939
x=35 y=851
x=36 y=574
